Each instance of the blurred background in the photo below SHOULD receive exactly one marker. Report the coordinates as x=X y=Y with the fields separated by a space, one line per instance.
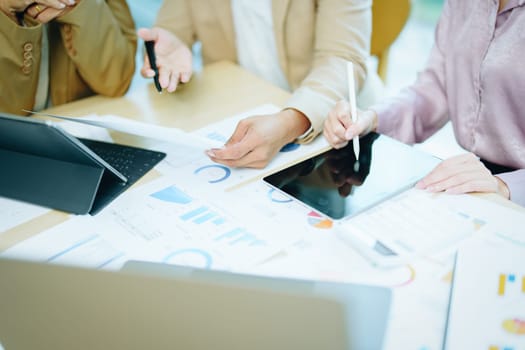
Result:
x=410 y=51
x=408 y=55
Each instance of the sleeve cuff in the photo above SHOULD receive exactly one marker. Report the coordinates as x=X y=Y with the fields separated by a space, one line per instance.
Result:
x=306 y=137
x=314 y=106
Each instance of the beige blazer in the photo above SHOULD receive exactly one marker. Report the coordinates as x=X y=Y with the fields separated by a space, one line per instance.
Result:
x=91 y=51
x=314 y=40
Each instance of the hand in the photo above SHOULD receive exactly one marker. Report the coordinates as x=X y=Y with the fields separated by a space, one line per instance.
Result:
x=257 y=139
x=338 y=126
x=174 y=59
x=9 y=6
x=45 y=14
x=462 y=174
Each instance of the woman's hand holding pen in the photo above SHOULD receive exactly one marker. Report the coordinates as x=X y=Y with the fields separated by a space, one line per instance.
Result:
x=463 y=174
x=173 y=58
x=338 y=126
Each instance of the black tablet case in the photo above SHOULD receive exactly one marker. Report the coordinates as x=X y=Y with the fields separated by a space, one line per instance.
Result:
x=42 y=164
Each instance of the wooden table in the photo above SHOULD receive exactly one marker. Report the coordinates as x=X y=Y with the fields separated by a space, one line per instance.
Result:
x=220 y=90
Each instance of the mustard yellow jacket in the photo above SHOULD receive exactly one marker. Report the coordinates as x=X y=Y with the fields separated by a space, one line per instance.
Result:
x=91 y=51
x=314 y=40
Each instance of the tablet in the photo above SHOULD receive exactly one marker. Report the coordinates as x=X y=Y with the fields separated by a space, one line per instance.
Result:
x=44 y=165
x=329 y=183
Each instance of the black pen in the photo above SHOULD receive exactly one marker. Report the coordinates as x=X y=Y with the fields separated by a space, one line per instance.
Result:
x=152 y=62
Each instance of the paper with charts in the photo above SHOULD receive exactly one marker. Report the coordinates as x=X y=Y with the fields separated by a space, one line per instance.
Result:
x=160 y=222
x=171 y=216
x=487 y=309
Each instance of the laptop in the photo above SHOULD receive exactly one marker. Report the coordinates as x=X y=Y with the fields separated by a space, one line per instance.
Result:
x=157 y=306
x=44 y=165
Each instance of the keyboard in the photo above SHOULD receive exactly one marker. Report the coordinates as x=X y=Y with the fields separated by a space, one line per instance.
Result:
x=132 y=162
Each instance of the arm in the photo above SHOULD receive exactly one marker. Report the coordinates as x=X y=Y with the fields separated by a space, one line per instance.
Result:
x=412 y=116
x=342 y=33
x=100 y=39
x=420 y=110
x=343 y=30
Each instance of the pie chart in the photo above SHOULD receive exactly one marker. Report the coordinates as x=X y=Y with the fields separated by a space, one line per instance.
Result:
x=318 y=221
x=514 y=326
x=190 y=257
x=213 y=173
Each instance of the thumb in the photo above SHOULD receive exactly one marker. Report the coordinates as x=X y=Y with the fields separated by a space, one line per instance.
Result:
x=148 y=34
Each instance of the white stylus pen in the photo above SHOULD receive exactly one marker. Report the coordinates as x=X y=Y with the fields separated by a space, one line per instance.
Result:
x=353 y=109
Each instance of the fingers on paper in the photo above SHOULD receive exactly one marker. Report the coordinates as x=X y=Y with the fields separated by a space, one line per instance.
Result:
x=239 y=145
x=244 y=149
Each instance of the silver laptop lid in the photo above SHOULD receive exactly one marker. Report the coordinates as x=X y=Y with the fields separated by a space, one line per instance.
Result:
x=56 y=307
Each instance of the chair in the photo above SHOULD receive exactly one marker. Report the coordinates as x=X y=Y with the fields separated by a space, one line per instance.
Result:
x=388 y=19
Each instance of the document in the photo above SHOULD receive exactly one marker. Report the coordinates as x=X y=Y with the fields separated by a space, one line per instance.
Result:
x=487 y=307
x=317 y=253
x=408 y=226
x=79 y=241
x=174 y=220
x=162 y=221
x=86 y=131
x=497 y=221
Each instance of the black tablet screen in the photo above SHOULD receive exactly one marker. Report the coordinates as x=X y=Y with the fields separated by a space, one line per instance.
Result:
x=330 y=184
